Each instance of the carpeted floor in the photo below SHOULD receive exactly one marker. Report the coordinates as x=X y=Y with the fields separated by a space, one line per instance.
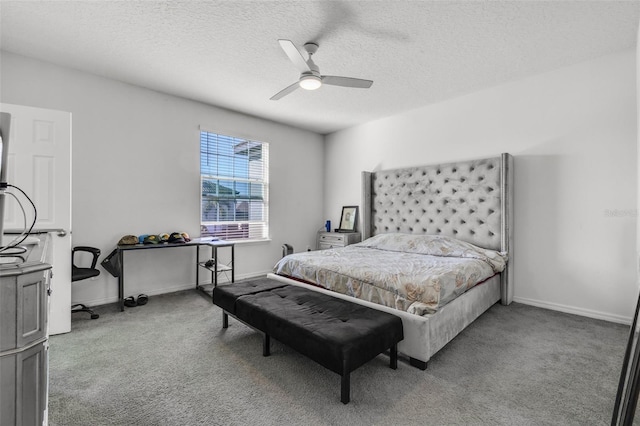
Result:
x=171 y=363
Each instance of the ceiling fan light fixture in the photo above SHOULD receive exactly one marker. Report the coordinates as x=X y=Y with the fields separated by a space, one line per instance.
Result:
x=310 y=82
x=310 y=77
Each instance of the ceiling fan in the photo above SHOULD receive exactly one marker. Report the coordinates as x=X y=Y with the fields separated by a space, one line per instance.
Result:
x=310 y=77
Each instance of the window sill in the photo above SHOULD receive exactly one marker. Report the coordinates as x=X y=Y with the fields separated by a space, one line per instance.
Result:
x=243 y=242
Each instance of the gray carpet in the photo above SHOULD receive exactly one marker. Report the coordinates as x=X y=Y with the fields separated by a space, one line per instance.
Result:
x=170 y=363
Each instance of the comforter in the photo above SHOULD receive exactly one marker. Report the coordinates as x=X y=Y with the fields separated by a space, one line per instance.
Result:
x=413 y=273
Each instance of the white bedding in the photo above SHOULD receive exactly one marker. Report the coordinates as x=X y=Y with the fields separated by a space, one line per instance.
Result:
x=413 y=273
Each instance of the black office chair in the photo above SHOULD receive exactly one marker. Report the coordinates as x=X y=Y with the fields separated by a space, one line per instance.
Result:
x=78 y=274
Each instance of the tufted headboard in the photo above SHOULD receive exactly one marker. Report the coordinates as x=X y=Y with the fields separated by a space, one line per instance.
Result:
x=469 y=200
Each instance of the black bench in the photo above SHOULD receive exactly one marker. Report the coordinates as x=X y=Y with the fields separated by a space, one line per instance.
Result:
x=337 y=334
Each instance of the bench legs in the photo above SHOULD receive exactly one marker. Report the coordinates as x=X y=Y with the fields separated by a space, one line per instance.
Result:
x=266 y=345
x=345 y=378
x=393 y=357
x=266 y=339
x=345 y=385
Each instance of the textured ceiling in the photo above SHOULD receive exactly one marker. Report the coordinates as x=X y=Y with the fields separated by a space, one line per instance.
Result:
x=226 y=53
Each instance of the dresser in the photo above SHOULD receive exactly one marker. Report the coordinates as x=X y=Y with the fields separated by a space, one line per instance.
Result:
x=24 y=340
x=327 y=240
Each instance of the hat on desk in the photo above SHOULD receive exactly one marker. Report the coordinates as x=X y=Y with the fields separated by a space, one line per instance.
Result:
x=164 y=237
x=128 y=240
x=185 y=236
x=176 y=237
x=151 y=239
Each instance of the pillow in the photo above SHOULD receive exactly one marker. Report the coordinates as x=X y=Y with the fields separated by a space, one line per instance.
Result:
x=435 y=245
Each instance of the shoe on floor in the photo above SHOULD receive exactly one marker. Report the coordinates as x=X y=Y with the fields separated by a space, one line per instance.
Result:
x=130 y=302
x=143 y=299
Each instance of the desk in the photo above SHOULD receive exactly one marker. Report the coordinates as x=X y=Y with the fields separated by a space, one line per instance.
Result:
x=215 y=268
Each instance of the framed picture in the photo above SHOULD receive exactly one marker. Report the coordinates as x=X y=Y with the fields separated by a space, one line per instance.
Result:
x=348 y=219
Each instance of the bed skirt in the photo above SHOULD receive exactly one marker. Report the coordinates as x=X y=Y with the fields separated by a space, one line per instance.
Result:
x=426 y=335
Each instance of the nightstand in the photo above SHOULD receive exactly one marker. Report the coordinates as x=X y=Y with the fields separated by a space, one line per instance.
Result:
x=327 y=240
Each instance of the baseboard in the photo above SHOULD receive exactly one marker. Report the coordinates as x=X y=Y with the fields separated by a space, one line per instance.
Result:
x=114 y=299
x=165 y=290
x=532 y=302
x=574 y=310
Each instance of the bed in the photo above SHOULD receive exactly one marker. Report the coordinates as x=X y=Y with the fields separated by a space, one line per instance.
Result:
x=462 y=208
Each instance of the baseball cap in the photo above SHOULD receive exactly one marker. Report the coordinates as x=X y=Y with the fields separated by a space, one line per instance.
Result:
x=151 y=239
x=176 y=237
x=128 y=240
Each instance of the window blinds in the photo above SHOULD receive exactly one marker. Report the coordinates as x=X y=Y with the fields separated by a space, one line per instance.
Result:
x=234 y=182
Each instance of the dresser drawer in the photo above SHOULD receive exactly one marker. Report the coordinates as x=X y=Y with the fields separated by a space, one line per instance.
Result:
x=333 y=238
x=327 y=240
x=324 y=246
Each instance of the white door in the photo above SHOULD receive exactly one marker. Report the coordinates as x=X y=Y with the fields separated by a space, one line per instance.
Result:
x=40 y=164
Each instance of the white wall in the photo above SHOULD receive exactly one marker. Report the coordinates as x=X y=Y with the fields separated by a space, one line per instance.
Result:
x=573 y=134
x=136 y=170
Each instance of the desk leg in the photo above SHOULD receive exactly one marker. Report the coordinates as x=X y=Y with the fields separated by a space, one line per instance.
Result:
x=197 y=267
x=121 y=280
x=214 y=274
x=233 y=264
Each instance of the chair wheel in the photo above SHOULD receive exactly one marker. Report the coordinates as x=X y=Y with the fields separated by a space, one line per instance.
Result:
x=95 y=316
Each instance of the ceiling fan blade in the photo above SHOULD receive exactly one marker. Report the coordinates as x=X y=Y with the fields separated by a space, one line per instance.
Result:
x=284 y=92
x=346 y=81
x=294 y=55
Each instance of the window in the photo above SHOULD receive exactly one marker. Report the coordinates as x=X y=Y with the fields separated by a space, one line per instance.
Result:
x=234 y=175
